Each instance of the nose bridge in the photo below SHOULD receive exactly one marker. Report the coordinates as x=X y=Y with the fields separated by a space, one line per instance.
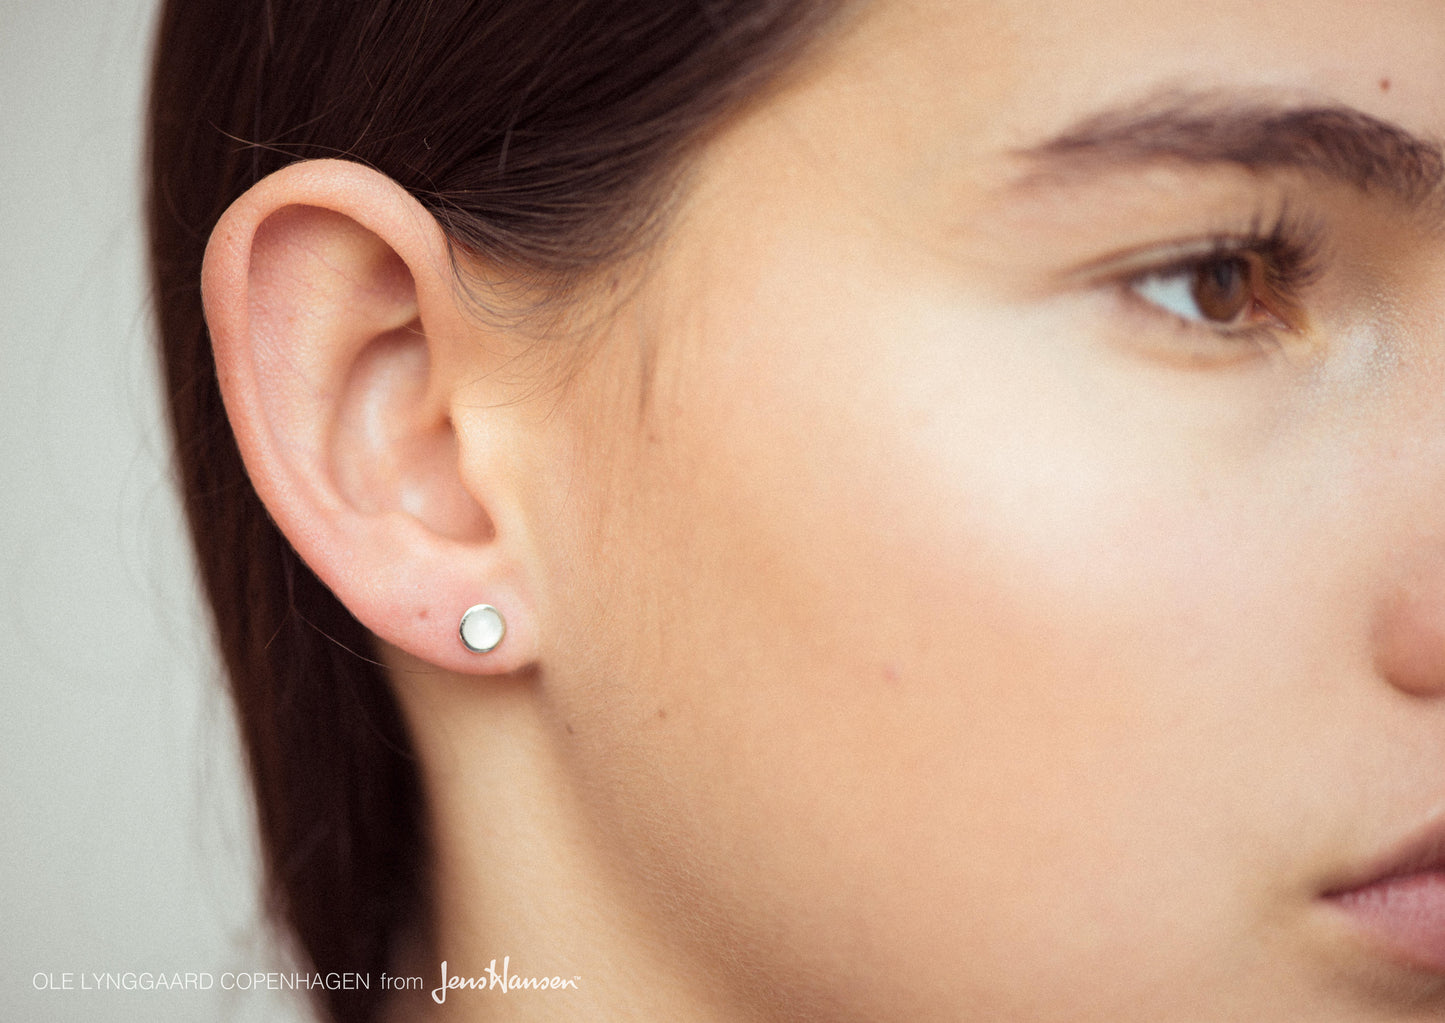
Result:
x=1419 y=324
x=1398 y=376
x=1408 y=470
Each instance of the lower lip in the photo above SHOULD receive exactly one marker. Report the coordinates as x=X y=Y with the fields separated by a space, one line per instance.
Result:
x=1407 y=914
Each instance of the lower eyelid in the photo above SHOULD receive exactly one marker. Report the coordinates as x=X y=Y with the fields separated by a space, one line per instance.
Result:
x=1159 y=334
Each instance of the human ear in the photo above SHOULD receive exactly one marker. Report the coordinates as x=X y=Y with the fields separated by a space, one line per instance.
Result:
x=344 y=353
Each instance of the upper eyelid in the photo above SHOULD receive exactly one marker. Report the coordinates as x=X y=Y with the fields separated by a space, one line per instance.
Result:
x=1290 y=228
x=1295 y=253
x=1156 y=260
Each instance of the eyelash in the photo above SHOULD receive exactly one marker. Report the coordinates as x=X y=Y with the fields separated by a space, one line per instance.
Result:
x=1281 y=261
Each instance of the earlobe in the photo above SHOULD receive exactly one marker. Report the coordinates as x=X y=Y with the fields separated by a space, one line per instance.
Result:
x=329 y=297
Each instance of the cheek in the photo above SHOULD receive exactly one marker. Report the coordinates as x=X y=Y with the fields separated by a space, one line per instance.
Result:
x=917 y=646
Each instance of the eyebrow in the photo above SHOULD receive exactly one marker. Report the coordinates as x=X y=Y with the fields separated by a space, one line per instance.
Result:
x=1338 y=143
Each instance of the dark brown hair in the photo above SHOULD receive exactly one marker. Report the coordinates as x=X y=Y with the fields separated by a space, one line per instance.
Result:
x=544 y=136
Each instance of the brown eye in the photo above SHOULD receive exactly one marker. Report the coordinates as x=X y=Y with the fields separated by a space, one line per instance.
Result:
x=1222 y=289
x=1225 y=291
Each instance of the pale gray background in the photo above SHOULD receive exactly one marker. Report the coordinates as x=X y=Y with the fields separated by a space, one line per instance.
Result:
x=125 y=840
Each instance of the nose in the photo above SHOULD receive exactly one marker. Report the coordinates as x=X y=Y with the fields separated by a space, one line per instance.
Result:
x=1410 y=630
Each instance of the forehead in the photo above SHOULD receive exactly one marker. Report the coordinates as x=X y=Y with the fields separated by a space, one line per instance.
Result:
x=1012 y=71
x=912 y=121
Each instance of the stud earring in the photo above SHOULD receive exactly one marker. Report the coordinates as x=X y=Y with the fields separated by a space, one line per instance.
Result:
x=482 y=628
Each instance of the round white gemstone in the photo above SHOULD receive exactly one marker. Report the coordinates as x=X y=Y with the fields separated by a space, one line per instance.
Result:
x=482 y=628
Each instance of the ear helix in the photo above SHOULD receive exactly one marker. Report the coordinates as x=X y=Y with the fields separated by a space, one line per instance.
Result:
x=482 y=628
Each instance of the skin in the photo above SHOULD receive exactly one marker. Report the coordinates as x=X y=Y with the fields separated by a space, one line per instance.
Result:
x=907 y=618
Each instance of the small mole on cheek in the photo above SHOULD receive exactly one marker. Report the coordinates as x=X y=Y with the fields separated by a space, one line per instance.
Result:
x=1384 y=85
x=570 y=730
x=662 y=713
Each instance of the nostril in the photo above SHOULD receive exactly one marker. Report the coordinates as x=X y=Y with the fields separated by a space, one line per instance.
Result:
x=1410 y=637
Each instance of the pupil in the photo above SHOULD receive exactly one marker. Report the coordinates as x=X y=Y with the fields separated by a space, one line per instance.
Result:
x=1221 y=289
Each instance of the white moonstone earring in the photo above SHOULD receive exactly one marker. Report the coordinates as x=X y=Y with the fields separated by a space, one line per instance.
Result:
x=482 y=628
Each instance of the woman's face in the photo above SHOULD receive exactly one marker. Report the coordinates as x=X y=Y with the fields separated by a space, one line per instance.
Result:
x=1006 y=572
